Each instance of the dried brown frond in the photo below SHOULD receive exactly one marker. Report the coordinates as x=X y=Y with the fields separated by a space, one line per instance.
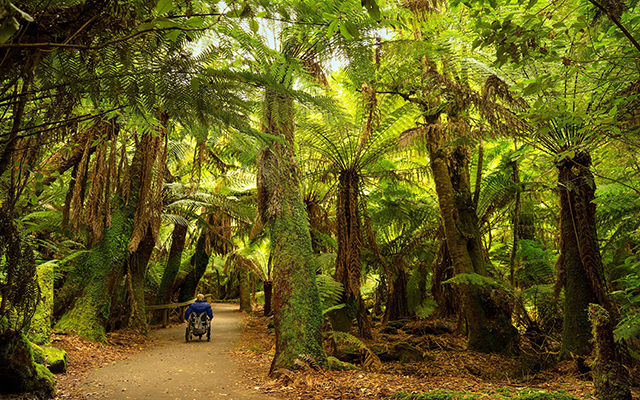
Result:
x=413 y=136
x=370 y=107
x=147 y=174
x=314 y=69
x=502 y=120
x=371 y=362
x=198 y=160
x=496 y=88
x=94 y=203
x=75 y=206
x=111 y=175
x=422 y=7
x=219 y=233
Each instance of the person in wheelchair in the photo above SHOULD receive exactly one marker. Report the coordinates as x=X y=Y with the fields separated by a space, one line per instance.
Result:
x=198 y=315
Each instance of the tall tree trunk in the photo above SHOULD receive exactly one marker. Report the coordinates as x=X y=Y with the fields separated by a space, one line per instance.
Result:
x=579 y=266
x=516 y=225
x=396 y=305
x=245 y=289
x=297 y=309
x=268 y=297
x=165 y=291
x=199 y=261
x=99 y=277
x=446 y=296
x=489 y=324
x=348 y=264
x=133 y=308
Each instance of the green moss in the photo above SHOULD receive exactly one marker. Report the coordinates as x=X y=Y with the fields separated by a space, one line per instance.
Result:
x=56 y=359
x=335 y=364
x=40 y=327
x=45 y=383
x=18 y=371
x=89 y=315
x=38 y=354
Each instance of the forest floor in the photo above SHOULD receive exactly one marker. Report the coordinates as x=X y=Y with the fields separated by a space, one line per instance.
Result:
x=445 y=365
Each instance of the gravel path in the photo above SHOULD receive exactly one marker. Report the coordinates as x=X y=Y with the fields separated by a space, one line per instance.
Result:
x=175 y=369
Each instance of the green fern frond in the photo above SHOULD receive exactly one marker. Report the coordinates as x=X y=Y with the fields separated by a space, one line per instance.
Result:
x=479 y=280
x=330 y=291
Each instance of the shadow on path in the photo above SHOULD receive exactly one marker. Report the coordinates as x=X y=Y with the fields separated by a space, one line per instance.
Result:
x=175 y=369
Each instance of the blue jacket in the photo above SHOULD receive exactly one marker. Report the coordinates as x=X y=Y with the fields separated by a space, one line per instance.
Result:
x=199 y=306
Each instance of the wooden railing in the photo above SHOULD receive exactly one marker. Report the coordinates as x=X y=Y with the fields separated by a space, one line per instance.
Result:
x=168 y=307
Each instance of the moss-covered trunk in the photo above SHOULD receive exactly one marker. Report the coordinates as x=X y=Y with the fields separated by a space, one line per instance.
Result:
x=116 y=263
x=40 y=326
x=610 y=378
x=98 y=280
x=18 y=370
x=136 y=268
x=580 y=269
x=488 y=318
x=297 y=309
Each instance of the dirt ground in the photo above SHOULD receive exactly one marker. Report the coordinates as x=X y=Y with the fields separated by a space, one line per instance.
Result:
x=164 y=366
x=235 y=363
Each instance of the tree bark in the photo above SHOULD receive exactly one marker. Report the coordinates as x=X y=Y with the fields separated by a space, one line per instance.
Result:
x=488 y=319
x=99 y=277
x=297 y=310
x=165 y=291
x=199 y=261
x=610 y=378
x=579 y=266
x=268 y=297
x=513 y=263
x=348 y=263
x=245 y=289
x=446 y=296
x=396 y=304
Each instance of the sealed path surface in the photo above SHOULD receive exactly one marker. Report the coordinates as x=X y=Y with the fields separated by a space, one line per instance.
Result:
x=175 y=369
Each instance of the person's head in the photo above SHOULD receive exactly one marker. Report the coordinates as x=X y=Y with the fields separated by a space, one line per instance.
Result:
x=200 y=296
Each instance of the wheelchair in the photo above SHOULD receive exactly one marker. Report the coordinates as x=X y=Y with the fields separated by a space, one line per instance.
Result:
x=198 y=325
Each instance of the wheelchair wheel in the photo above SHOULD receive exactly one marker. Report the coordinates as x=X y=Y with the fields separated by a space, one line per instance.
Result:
x=209 y=334
x=187 y=335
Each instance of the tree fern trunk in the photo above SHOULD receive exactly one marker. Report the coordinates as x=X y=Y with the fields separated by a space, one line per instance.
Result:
x=489 y=324
x=446 y=296
x=165 y=291
x=199 y=261
x=245 y=289
x=348 y=264
x=396 y=305
x=297 y=309
x=99 y=277
x=135 y=314
x=579 y=266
